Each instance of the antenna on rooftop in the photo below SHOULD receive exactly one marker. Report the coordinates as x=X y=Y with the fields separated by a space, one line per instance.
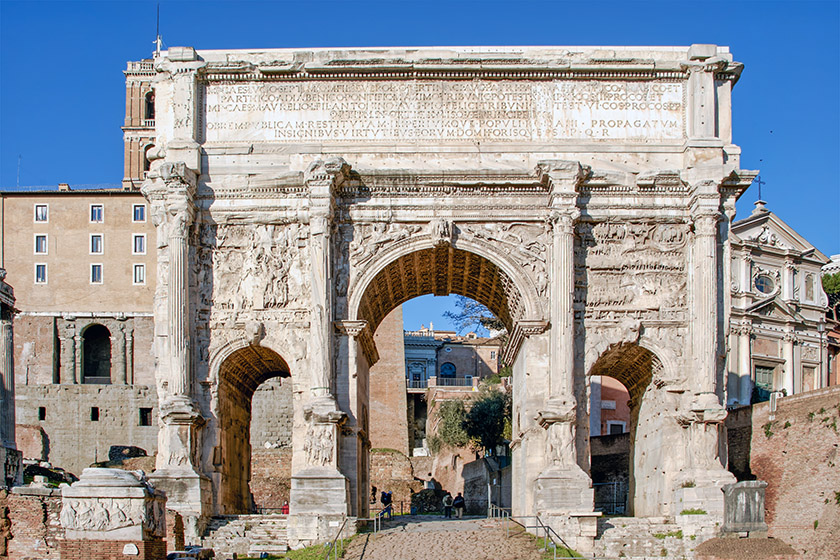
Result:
x=18 y=175
x=158 y=40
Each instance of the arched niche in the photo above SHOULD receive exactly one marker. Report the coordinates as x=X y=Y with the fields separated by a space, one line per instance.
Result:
x=96 y=355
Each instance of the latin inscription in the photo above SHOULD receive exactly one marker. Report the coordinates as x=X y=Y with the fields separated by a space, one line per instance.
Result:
x=439 y=111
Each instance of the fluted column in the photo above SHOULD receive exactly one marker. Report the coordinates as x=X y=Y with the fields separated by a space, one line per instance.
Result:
x=177 y=307
x=7 y=415
x=704 y=325
x=745 y=364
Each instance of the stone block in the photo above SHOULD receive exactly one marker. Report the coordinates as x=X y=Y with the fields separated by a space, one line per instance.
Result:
x=182 y=54
x=743 y=507
x=701 y=51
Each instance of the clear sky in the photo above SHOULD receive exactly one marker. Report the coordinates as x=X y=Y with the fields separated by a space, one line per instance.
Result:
x=62 y=91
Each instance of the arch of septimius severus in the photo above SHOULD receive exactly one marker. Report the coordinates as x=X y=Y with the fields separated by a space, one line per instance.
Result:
x=583 y=194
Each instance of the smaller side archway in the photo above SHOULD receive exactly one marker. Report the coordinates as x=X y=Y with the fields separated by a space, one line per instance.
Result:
x=240 y=374
x=96 y=355
x=635 y=367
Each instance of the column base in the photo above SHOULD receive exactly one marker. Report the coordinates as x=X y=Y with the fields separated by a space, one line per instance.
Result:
x=561 y=489
x=188 y=493
x=701 y=490
x=319 y=501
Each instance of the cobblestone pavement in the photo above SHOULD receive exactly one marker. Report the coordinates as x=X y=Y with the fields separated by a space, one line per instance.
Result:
x=423 y=537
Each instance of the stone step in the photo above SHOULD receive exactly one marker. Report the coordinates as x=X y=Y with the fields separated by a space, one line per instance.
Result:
x=247 y=534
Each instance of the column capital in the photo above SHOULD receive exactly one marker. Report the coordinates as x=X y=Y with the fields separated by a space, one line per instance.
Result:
x=351 y=328
x=563 y=179
x=522 y=329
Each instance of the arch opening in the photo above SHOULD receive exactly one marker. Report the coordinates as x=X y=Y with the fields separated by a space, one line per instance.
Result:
x=248 y=378
x=429 y=372
x=96 y=355
x=623 y=375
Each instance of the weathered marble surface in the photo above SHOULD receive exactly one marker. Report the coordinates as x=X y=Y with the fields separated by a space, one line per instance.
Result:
x=580 y=193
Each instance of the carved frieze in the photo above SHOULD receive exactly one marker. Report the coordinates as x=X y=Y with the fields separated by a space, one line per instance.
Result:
x=631 y=268
x=257 y=266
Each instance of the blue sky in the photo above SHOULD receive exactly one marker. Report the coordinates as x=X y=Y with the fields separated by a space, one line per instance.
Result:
x=62 y=90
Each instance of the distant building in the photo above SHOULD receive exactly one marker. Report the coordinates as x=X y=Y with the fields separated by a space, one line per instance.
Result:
x=833 y=326
x=777 y=337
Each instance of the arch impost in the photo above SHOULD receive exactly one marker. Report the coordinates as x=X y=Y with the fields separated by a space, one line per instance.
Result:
x=521 y=330
x=360 y=330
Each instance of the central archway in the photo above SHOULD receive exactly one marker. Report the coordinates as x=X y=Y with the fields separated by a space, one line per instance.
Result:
x=240 y=374
x=474 y=270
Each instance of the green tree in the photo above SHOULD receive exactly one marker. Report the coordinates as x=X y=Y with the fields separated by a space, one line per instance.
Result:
x=488 y=420
x=473 y=316
x=451 y=427
x=831 y=286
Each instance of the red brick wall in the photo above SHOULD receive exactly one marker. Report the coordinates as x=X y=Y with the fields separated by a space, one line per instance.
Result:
x=111 y=550
x=34 y=526
x=271 y=473
x=798 y=453
x=388 y=419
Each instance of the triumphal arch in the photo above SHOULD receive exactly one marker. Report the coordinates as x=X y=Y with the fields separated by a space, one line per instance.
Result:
x=583 y=194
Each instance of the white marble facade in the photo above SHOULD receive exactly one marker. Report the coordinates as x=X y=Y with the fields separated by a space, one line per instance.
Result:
x=777 y=329
x=583 y=194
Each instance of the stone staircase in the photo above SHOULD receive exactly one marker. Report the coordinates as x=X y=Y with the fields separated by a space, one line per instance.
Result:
x=631 y=538
x=246 y=535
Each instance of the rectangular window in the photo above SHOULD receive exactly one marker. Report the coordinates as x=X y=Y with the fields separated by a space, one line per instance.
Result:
x=139 y=213
x=764 y=377
x=95 y=243
x=41 y=244
x=40 y=274
x=42 y=213
x=94 y=414
x=139 y=247
x=97 y=213
x=96 y=274
x=145 y=416
x=492 y=355
x=139 y=273
x=42 y=413
x=614 y=427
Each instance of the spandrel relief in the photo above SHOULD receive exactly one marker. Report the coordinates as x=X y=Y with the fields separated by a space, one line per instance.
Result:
x=369 y=239
x=631 y=268
x=259 y=267
x=525 y=243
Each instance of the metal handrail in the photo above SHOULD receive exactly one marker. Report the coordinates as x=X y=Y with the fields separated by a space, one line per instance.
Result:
x=332 y=548
x=551 y=536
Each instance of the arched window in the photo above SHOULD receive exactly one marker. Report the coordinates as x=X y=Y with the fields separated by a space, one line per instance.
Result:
x=96 y=352
x=146 y=163
x=447 y=370
x=150 y=106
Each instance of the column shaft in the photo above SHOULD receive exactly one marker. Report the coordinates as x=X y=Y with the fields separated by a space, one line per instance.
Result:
x=118 y=342
x=7 y=415
x=178 y=309
x=562 y=312
x=705 y=323
x=745 y=367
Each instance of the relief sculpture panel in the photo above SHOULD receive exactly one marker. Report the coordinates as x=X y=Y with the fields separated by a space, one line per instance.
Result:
x=254 y=267
x=631 y=269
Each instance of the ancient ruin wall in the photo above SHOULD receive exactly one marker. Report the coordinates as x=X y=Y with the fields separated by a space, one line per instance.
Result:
x=388 y=419
x=797 y=451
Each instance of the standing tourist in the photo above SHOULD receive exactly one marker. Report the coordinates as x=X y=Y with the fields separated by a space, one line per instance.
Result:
x=459 y=503
x=447 y=506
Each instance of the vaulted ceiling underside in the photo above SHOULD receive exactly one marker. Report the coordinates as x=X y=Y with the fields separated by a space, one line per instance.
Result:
x=441 y=271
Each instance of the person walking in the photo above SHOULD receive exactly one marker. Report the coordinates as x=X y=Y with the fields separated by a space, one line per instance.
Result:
x=459 y=504
x=447 y=506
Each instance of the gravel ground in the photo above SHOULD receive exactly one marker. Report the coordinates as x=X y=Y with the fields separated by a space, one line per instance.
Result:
x=423 y=538
x=746 y=549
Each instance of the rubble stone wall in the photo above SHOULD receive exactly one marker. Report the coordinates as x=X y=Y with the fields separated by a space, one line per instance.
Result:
x=74 y=439
x=32 y=522
x=392 y=471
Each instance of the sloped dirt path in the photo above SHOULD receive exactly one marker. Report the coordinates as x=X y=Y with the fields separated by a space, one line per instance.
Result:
x=424 y=538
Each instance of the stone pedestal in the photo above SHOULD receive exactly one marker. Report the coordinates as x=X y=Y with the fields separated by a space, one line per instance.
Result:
x=743 y=508
x=189 y=494
x=320 y=497
x=111 y=513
